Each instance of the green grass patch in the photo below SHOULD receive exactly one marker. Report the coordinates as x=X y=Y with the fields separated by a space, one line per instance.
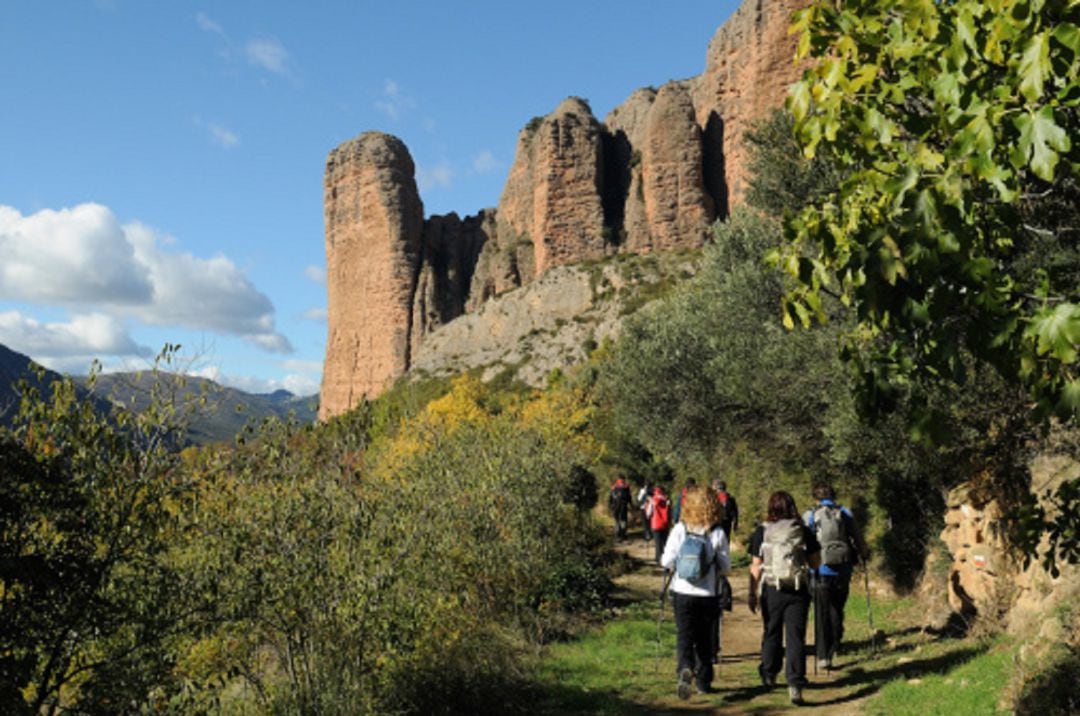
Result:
x=972 y=687
x=607 y=670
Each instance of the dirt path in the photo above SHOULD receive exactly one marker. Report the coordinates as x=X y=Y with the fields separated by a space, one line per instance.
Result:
x=739 y=691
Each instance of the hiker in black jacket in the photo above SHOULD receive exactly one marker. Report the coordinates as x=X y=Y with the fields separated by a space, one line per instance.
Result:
x=783 y=551
x=619 y=504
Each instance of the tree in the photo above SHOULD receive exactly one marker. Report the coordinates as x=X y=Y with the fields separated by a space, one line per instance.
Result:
x=955 y=225
x=953 y=233
x=87 y=504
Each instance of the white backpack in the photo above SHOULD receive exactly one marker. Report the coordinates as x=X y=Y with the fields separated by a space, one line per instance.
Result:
x=783 y=555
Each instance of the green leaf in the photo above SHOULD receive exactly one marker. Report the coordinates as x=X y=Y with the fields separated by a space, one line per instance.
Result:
x=965 y=28
x=1040 y=141
x=1057 y=331
x=1070 y=398
x=1034 y=66
x=947 y=88
x=899 y=186
x=1068 y=36
x=798 y=100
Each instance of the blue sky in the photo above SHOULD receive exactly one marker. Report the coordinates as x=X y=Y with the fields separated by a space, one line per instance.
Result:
x=161 y=162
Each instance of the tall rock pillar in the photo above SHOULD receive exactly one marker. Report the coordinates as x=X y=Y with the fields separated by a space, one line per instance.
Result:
x=374 y=226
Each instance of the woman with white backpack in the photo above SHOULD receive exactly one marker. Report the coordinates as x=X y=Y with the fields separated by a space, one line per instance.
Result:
x=783 y=550
x=698 y=552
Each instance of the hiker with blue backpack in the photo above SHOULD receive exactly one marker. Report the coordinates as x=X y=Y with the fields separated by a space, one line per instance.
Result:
x=697 y=550
x=841 y=546
x=783 y=552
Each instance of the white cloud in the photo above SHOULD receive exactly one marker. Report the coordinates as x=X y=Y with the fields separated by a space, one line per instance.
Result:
x=219 y=134
x=208 y=25
x=69 y=256
x=440 y=175
x=222 y=136
x=485 y=163
x=83 y=258
x=303 y=366
x=269 y=54
x=203 y=293
x=298 y=383
x=316 y=274
x=393 y=102
x=315 y=314
x=83 y=337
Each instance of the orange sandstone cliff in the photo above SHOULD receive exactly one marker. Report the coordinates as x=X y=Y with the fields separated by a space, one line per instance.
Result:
x=653 y=177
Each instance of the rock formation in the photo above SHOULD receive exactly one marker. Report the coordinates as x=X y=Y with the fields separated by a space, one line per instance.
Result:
x=748 y=68
x=552 y=196
x=653 y=177
x=374 y=223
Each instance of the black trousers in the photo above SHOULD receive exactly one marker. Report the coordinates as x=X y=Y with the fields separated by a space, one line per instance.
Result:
x=832 y=594
x=695 y=622
x=784 y=614
x=661 y=540
x=621 y=514
x=646 y=531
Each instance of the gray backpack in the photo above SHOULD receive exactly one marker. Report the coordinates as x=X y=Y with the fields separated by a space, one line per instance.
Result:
x=783 y=554
x=833 y=535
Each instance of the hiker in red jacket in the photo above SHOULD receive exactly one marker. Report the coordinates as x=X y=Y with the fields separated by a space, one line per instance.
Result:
x=659 y=519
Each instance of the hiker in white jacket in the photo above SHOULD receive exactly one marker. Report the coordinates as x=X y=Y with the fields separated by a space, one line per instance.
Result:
x=698 y=552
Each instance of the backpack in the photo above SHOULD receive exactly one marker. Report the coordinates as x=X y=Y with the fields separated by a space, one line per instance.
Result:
x=692 y=562
x=832 y=532
x=619 y=499
x=783 y=554
x=660 y=513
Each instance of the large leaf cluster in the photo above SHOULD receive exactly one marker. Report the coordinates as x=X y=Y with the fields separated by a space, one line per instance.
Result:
x=955 y=125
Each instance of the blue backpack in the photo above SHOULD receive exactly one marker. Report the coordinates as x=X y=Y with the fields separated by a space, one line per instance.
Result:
x=692 y=562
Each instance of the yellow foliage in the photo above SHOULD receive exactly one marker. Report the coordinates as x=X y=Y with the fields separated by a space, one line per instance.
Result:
x=562 y=414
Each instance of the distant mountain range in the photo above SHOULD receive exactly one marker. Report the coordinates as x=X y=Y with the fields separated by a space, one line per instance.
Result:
x=221 y=416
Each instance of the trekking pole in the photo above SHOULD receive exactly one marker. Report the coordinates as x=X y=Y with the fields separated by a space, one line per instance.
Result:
x=815 y=596
x=869 y=611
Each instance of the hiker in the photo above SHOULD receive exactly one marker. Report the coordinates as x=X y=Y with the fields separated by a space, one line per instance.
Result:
x=619 y=504
x=783 y=551
x=731 y=508
x=643 y=497
x=690 y=483
x=697 y=551
x=841 y=547
x=659 y=519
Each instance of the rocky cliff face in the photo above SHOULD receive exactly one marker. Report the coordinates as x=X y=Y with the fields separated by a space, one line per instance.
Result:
x=653 y=177
x=748 y=68
x=552 y=196
x=374 y=223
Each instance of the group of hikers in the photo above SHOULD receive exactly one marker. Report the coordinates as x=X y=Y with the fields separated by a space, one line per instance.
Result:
x=795 y=561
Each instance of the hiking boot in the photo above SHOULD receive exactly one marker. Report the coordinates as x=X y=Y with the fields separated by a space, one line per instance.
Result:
x=767 y=680
x=795 y=692
x=686 y=684
x=824 y=664
x=705 y=689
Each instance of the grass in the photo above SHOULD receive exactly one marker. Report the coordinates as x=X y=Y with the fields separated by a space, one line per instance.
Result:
x=972 y=687
x=601 y=671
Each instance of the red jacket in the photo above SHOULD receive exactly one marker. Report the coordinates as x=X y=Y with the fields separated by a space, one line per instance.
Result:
x=660 y=507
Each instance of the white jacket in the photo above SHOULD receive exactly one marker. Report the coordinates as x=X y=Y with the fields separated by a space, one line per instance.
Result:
x=722 y=559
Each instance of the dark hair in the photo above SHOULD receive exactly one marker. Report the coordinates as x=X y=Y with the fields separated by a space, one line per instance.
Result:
x=721 y=485
x=691 y=482
x=782 y=507
x=824 y=491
